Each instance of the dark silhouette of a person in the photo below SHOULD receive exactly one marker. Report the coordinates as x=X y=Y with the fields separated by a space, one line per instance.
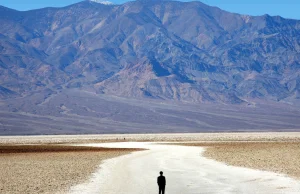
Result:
x=161 y=181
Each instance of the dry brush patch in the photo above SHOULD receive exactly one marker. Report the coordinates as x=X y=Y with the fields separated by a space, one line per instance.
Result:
x=55 y=148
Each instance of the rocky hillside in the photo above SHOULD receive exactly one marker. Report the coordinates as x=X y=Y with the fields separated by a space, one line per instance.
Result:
x=150 y=49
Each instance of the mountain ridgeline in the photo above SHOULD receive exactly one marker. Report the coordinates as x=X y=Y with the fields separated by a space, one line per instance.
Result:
x=167 y=50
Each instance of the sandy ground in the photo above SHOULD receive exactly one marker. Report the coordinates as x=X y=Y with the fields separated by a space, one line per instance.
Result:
x=48 y=169
x=280 y=157
x=187 y=172
x=270 y=136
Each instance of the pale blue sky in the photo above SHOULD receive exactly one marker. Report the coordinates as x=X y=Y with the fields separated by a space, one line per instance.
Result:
x=285 y=8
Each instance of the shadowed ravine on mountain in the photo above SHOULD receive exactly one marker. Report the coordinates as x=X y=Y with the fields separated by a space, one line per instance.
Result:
x=151 y=51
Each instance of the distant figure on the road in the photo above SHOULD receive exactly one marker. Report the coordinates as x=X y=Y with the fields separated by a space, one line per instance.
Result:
x=161 y=181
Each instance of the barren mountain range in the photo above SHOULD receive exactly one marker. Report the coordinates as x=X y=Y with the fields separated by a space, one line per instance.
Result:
x=148 y=50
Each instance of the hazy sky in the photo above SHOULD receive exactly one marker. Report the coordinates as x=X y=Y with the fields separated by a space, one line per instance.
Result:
x=285 y=8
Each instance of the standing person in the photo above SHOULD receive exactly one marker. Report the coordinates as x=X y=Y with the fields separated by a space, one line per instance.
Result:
x=161 y=181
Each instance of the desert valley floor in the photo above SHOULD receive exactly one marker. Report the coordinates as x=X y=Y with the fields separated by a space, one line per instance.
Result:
x=126 y=164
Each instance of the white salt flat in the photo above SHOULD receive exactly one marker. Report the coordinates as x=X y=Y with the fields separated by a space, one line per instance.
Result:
x=187 y=172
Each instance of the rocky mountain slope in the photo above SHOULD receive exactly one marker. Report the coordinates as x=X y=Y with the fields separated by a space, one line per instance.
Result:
x=183 y=51
x=147 y=66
